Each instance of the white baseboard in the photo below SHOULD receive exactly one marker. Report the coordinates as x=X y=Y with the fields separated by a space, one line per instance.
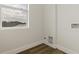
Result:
x=51 y=45
x=66 y=50
x=27 y=46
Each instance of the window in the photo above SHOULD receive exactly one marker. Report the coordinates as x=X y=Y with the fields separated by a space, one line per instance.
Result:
x=14 y=15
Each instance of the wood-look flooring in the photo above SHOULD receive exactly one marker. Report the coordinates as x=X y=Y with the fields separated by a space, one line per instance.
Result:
x=42 y=49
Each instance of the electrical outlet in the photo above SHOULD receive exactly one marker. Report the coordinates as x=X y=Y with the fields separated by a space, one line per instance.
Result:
x=50 y=39
x=45 y=38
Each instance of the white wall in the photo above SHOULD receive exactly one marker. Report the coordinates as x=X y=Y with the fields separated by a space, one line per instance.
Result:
x=16 y=38
x=68 y=38
x=50 y=20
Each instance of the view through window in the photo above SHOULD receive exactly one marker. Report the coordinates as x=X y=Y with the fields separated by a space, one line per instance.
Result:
x=14 y=15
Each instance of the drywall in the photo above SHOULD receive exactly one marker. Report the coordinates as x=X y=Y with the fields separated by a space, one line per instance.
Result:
x=50 y=21
x=68 y=37
x=15 y=38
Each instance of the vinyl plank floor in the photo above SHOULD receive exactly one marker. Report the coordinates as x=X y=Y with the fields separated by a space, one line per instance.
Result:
x=42 y=49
